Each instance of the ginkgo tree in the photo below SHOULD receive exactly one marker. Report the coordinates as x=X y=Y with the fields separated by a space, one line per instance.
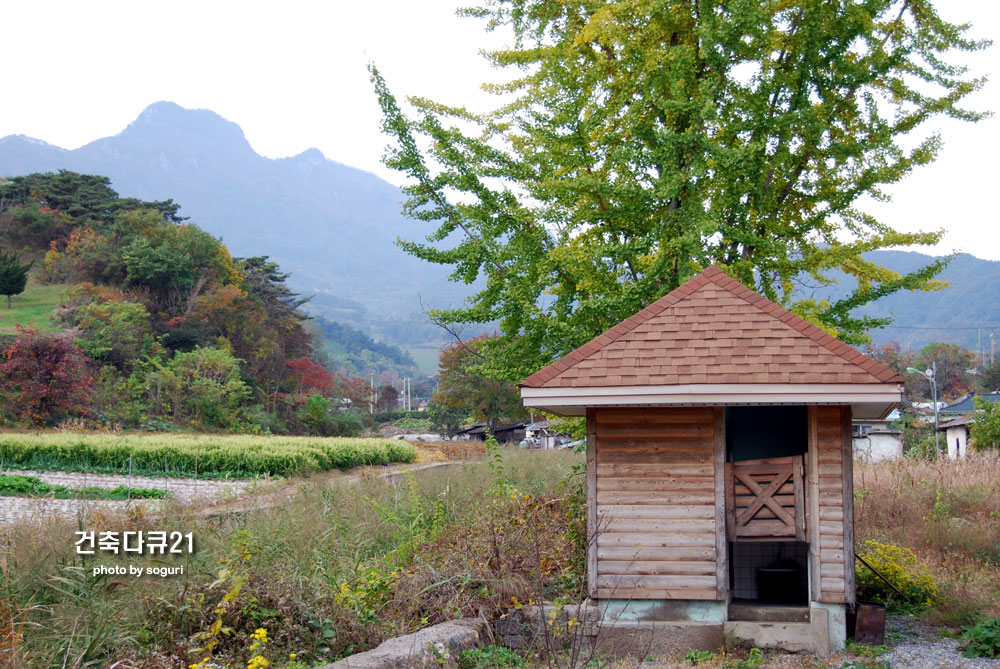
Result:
x=635 y=143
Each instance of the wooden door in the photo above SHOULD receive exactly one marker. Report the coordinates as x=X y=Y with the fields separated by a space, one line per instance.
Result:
x=765 y=500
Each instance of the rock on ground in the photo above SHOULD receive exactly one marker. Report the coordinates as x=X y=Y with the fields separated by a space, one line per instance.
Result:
x=430 y=647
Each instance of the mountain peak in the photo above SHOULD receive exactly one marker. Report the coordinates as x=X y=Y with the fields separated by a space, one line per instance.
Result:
x=311 y=155
x=163 y=107
x=166 y=112
x=203 y=126
x=9 y=139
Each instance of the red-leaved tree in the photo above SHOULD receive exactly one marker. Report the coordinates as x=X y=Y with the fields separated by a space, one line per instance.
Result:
x=310 y=376
x=44 y=377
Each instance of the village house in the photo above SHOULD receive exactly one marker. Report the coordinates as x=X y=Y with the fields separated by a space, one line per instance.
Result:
x=959 y=415
x=720 y=469
x=504 y=434
x=877 y=440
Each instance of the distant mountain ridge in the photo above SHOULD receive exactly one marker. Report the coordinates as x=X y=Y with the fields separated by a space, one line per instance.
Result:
x=958 y=314
x=333 y=227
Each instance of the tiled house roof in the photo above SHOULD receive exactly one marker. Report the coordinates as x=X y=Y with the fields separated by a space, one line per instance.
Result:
x=967 y=403
x=711 y=330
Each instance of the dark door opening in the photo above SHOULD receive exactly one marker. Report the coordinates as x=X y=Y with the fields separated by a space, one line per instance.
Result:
x=769 y=573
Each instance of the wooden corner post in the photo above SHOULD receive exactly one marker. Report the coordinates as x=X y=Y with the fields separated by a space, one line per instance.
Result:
x=847 y=464
x=591 y=503
x=721 y=534
x=812 y=506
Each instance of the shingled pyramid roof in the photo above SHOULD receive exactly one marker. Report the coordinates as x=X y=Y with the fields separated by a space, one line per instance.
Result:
x=712 y=330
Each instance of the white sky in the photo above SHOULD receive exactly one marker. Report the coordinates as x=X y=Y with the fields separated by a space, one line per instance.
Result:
x=292 y=75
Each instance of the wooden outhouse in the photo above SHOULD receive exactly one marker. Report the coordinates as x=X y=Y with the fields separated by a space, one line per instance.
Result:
x=719 y=464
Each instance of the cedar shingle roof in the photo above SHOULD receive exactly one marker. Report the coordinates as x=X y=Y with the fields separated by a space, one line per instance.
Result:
x=712 y=329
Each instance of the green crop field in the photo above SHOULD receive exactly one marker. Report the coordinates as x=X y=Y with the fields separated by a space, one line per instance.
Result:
x=205 y=456
x=32 y=307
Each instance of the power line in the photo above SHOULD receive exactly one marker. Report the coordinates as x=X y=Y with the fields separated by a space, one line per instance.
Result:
x=957 y=327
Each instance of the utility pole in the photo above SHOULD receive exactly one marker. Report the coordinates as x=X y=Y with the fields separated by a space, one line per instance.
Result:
x=992 y=346
x=937 y=434
x=931 y=375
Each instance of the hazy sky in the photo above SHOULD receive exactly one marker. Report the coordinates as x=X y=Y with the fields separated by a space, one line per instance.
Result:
x=292 y=75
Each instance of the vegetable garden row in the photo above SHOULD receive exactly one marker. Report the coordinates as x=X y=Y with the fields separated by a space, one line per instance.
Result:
x=202 y=456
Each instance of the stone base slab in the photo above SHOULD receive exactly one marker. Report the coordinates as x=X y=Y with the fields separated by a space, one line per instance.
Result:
x=426 y=648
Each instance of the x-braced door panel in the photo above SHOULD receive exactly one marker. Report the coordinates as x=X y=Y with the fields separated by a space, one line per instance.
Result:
x=765 y=499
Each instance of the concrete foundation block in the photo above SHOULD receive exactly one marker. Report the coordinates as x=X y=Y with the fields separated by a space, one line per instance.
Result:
x=634 y=610
x=835 y=616
x=642 y=638
x=811 y=637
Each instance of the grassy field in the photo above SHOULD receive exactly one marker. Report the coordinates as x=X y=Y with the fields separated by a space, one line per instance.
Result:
x=32 y=307
x=206 y=456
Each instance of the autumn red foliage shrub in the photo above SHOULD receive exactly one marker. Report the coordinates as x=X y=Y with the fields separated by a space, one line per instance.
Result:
x=310 y=376
x=43 y=377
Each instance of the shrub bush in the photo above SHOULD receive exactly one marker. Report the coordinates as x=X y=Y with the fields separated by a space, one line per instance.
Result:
x=901 y=567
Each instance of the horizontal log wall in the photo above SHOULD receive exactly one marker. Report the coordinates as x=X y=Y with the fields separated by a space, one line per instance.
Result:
x=830 y=537
x=654 y=503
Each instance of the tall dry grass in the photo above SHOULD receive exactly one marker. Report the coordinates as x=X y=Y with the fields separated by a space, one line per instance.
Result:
x=948 y=513
x=436 y=542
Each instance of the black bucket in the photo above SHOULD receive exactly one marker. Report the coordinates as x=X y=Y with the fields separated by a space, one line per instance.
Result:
x=780 y=582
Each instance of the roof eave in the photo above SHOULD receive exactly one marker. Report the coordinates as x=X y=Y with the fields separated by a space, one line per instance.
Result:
x=869 y=400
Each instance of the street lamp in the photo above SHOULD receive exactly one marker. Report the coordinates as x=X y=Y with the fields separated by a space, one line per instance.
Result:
x=931 y=375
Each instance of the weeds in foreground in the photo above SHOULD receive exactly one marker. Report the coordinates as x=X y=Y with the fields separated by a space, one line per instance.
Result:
x=982 y=640
x=489 y=657
x=865 y=664
x=861 y=650
x=433 y=545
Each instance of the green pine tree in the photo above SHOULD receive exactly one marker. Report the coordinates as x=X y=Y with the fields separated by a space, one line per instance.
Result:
x=13 y=275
